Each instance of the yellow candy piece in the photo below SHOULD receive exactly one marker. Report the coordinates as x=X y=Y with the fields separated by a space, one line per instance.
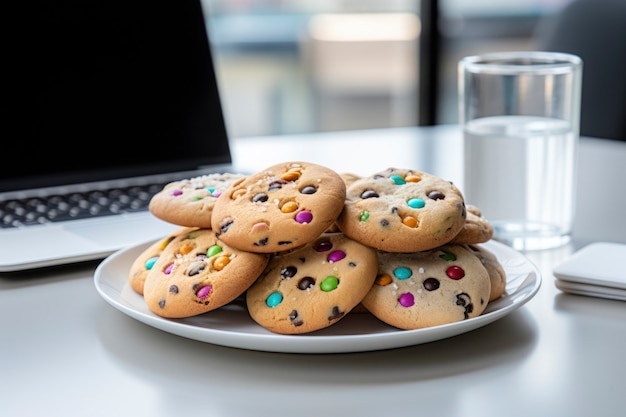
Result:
x=292 y=175
x=409 y=221
x=289 y=207
x=221 y=262
x=185 y=249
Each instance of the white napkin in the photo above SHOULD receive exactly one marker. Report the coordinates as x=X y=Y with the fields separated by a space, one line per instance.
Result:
x=597 y=270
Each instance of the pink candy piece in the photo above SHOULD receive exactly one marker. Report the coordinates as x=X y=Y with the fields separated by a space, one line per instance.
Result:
x=259 y=227
x=204 y=292
x=336 y=256
x=406 y=299
x=304 y=217
x=177 y=192
x=168 y=269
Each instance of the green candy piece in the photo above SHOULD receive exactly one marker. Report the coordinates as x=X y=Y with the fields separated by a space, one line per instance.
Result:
x=329 y=283
x=447 y=256
x=213 y=250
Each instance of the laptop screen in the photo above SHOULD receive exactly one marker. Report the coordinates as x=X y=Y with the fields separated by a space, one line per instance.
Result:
x=94 y=90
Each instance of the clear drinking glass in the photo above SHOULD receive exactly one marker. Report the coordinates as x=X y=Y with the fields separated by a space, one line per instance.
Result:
x=520 y=113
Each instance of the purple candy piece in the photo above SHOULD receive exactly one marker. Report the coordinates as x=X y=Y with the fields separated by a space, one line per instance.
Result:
x=406 y=299
x=168 y=269
x=336 y=256
x=177 y=192
x=204 y=292
x=304 y=217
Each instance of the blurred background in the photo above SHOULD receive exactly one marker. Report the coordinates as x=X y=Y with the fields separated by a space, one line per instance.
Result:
x=297 y=66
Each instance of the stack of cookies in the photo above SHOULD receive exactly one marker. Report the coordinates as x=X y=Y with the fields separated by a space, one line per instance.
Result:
x=306 y=246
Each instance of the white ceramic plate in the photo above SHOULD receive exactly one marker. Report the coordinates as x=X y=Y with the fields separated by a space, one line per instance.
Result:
x=232 y=326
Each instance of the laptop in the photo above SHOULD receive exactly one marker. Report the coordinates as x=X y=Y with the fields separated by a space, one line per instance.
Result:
x=109 y=97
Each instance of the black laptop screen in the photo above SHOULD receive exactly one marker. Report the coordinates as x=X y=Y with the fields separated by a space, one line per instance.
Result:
x=99 y=89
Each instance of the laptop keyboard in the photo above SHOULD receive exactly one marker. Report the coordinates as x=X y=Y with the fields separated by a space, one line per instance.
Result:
x=55 y=208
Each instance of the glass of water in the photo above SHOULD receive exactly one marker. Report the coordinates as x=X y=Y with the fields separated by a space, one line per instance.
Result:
x=520 y=113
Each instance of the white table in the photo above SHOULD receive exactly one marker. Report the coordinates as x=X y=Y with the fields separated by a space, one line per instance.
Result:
x=66 y=352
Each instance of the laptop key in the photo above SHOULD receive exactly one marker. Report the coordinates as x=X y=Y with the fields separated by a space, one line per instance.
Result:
x=55 y=208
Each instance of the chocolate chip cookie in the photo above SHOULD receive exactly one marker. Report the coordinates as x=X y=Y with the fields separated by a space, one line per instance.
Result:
x=279 y=208
x=402 y=210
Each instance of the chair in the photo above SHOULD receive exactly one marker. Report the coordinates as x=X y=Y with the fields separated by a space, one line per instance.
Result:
x=595 y=30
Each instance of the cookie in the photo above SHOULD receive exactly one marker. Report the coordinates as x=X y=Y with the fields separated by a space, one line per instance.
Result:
x=279 y=208
x=494 y=268
x=349 y=178
x=312 y=287
x=196 y=273
x=477 y=229
x=402 y=210
x=430 y=288
x=190 y=202
x=146 y=260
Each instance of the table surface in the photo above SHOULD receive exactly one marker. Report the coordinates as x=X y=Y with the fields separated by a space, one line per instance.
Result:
x=67 y=352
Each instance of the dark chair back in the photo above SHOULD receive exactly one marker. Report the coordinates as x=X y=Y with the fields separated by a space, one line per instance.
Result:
x=595 y=30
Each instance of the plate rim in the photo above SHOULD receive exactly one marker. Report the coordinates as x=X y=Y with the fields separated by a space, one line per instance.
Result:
x=314 y=343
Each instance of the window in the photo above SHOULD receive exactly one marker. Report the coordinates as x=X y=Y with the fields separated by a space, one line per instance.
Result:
x=295 y=66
